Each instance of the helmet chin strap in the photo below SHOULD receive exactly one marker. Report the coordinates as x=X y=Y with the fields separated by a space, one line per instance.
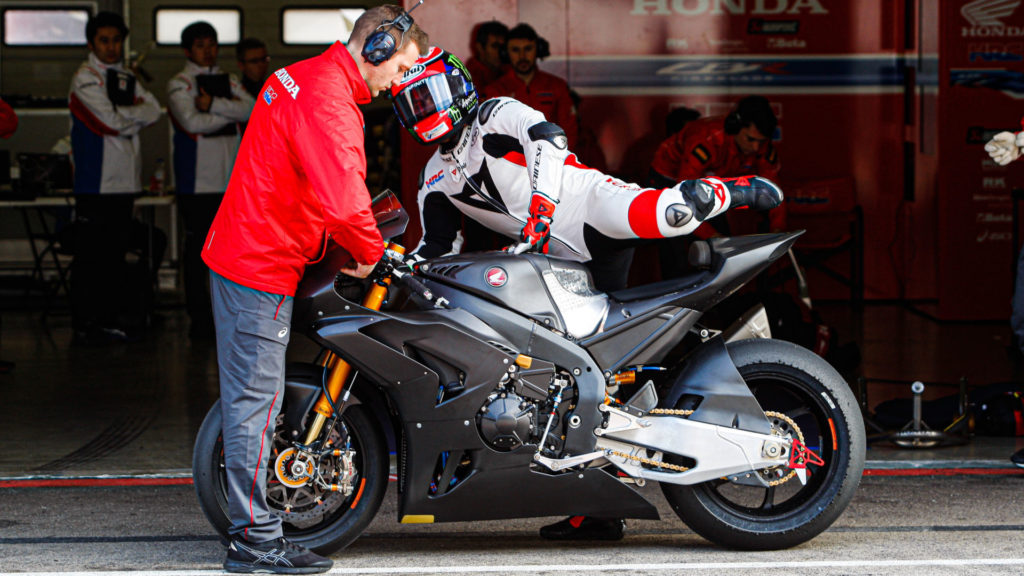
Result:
x=449 y=142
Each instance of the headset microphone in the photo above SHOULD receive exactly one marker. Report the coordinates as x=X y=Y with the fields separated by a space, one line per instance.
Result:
x=380 y=45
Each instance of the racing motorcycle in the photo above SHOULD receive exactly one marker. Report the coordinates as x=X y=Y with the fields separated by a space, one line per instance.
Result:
x=510 y=388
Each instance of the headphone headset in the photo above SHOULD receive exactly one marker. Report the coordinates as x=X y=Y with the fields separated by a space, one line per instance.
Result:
x=733 y=123
x=380 y=45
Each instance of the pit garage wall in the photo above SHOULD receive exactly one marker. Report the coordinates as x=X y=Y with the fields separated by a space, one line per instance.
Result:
x=833 y=69
x=981 y=85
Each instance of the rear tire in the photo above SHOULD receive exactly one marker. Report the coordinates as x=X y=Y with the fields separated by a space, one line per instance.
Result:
x=341 y=525
x=788 y=379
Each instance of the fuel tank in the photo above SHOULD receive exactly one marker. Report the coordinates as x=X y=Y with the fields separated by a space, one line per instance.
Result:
x=558 y=294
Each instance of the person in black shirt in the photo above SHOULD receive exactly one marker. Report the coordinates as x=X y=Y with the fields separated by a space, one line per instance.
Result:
x=253 y=64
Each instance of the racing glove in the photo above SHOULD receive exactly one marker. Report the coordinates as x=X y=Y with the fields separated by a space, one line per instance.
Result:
x=537 y=231
x=1005 y=147
x=412 y=261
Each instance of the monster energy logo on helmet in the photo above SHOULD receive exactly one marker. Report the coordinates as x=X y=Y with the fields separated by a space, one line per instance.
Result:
x=454 y=61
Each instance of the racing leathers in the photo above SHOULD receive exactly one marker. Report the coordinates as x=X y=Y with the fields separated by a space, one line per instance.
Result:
x=595 y=215
x=205 y=143
x=104 y=136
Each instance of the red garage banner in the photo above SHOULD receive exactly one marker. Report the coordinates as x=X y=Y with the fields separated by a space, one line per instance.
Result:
x=866 y=94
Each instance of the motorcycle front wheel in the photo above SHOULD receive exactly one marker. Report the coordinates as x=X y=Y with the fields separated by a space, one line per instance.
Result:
x=319 y=519
x=781 y=512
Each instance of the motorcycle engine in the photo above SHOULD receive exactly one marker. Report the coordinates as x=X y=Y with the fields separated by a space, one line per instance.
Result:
x=516 y=413
x=507 y=420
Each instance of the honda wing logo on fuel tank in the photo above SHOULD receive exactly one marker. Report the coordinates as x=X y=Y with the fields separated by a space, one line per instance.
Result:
x=989 y=12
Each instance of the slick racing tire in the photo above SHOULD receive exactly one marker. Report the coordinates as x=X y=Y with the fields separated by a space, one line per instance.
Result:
x=323 y=526
x=749 y=515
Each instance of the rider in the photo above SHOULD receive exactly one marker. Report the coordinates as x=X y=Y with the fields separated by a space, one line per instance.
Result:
x=502 y=164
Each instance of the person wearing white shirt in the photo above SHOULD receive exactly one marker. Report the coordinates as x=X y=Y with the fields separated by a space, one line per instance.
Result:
x=206 y=107
x=108 y=110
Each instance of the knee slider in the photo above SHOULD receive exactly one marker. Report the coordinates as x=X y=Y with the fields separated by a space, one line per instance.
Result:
x=549 y=131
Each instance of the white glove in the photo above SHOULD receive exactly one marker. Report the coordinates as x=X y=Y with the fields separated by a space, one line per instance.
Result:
x=1003 y=147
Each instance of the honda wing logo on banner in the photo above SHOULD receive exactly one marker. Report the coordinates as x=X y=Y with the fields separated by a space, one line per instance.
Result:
x=988 y=12
x=986 y=19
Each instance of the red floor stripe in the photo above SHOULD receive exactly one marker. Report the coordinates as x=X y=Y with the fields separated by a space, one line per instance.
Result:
x=944 y=472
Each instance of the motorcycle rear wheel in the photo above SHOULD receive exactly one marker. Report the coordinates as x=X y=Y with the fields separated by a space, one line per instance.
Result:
x=340 y=525
x=792 y=380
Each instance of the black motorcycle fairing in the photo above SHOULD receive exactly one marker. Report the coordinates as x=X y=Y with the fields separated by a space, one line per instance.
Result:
x=641 y=339
x=734 y=261
x=529 y=338
x=371 y=342
x=710 y=373
x=503 y=485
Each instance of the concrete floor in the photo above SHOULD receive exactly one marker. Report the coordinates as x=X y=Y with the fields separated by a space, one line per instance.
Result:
x=134 y=408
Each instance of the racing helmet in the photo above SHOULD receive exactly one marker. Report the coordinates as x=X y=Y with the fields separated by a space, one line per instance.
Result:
x=435 y=97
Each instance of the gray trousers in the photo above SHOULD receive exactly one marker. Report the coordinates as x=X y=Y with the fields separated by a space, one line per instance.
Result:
x=253 y=328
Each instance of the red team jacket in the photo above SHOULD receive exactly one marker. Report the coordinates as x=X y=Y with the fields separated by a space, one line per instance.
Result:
x=702 y=148
x=299 y=179
x=547 y=93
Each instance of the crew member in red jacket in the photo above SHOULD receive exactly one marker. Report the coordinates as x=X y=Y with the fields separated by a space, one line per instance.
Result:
x=739 y=144
x=537 y=89
x=488 y=46
x=8 y=120
x=298 y=182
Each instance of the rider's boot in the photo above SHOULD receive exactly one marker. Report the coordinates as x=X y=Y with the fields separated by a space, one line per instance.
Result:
x=754 y=192
x=584 y=528
x=707 y=196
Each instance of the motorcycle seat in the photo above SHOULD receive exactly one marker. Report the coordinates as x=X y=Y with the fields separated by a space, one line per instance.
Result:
x=689 y=282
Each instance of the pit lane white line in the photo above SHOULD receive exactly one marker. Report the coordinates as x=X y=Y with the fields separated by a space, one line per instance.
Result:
x=536 y=568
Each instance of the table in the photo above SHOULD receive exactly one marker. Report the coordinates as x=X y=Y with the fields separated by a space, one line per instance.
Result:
x=43 y=239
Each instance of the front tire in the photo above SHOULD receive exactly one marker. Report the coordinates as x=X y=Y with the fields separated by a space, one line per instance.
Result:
x=323 y=528
x=788 y=379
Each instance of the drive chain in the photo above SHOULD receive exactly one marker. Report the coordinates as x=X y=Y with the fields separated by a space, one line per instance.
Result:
x=677 y=468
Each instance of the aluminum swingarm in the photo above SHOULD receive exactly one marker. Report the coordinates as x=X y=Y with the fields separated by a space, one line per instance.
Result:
x=718 y=450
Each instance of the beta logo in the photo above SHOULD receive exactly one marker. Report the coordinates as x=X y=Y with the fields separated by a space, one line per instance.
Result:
x=496 y=276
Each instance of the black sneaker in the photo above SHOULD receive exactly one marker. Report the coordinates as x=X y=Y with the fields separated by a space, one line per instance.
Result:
x=1018 y=458
x=274 y=557
x=584 y=528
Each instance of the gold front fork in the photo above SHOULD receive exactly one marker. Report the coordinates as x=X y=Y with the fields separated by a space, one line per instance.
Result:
x=338 y=369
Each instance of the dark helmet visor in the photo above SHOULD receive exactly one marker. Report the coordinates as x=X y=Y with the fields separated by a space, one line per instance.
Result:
x=423 y=100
